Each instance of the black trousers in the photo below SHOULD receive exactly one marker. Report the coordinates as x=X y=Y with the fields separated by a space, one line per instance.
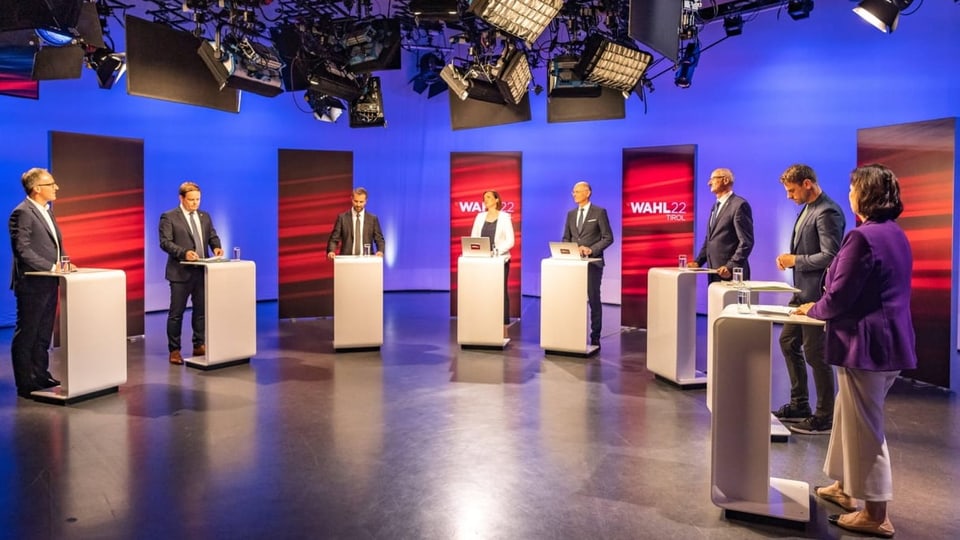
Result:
x=506 y=293
x=180 y=291
x=36 y=315
x=594 y=275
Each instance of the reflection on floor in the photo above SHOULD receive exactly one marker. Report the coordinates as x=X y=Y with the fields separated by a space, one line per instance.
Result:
x=418 y=440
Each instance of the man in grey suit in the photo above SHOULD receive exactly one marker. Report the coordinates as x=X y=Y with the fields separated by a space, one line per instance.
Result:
x=589 y=226
x=186 y=234
x=816 y=239
x=729 y=238
x=344 y=234
x=37 y=247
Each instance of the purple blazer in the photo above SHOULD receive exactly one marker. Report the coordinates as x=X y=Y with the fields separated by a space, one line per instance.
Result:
x=866 y=304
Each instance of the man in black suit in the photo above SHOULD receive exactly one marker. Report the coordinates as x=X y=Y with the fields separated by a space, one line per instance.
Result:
x=186 y=233
x=345 y=227
x=729 y=238
x=816 y=239
x=37 y=247
x=589 y=227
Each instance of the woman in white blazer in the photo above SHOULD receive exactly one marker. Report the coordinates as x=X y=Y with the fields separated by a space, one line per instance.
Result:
x=496 y=226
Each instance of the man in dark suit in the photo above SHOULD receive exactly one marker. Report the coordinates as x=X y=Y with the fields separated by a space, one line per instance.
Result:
x=37 y=247
x=729 y=238
x=186 y=233
x=345 y=227
x=816 y=239
x=589 y=227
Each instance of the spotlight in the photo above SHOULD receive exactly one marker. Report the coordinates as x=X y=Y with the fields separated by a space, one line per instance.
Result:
x=373 y=46
x=688 y=63
x=525 y=19
x=434 y=10
x=882 y=14
x=563 y=80
x=799 y=9
x=325 y=77
x=514 y=77
x=458 y=84
x=733 y=25
x=367 y=110
x=110 y=66
x=613 y=65
x=430 y=65
x=244 y=65
x=325 y=108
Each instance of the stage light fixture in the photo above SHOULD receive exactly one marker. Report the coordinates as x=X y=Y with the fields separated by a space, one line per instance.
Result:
x=110 y=66
x=367 y=110
x=434 y=10
x=244 y=65
x=733 y=25
x=455 y=80
x=428 y=78
x=373 y=46
x=613 y=65
x=325 y=108
x=525 y=19
x=687 y=65
x=799 y=9
x=514 y=77
x=563 y=80
x=325 y=77
x=884 y=15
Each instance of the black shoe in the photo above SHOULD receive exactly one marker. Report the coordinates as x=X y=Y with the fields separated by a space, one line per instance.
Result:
x=25 y=392
x=813 y=425
x=49 y=382
x=793 y=413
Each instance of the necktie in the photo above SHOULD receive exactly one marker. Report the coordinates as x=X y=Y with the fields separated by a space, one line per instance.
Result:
x=580 y=219
x=713 y=214
x=357 y=236
x=197 y=238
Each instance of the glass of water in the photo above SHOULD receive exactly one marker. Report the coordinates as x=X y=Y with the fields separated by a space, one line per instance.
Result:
x=737 y=276
x=682 y=261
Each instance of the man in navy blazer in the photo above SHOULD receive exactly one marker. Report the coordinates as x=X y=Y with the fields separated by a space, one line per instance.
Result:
x=343 y=236
x=816 y=239
x=186 y=234
x=729 y=238
x=37 y=247
x=589 y=226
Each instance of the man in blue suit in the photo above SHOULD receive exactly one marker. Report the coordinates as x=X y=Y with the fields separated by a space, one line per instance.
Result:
x=186 y=234
x=729 y=238
x=816 y=239
x=589 y=226
x=37 y=247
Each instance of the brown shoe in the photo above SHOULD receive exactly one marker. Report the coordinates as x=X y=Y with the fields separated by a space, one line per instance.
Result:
x=199 y=350
x=837 y=497
x=860 y=522
x=175 y=357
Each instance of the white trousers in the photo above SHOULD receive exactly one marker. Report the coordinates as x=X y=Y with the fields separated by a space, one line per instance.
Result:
x=857 y=455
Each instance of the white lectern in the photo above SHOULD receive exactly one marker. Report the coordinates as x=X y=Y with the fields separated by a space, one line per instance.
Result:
x=672 y=325
x=564 y=325
x=740 y=424
x=92 y=356
x=230 y=288
x=480 y=302
x=357 y=302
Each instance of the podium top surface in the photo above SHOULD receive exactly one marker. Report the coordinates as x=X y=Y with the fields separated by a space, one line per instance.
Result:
x=768 y=313
x=78 y=271
x=558 y=260
x=761 y=286
x=678 y=270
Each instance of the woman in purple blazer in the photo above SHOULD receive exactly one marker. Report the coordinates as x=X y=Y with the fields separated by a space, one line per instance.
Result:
x=869 y=338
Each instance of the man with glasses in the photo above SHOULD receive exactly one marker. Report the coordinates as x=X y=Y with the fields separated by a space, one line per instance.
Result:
x=729 y=239
x=37 y=247
x=589 y=226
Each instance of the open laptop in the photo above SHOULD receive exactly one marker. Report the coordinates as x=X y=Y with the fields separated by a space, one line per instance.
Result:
x=475 y=246
x=565 y=250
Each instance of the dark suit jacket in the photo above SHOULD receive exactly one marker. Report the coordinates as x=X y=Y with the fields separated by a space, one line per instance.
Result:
x=595 y=232
x=34 y=246
x=730 y=240
x=176 y=240
x=867 y=301
x=342 y=233
x=815 y=245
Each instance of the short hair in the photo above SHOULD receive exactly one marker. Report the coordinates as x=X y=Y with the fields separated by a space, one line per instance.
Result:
x=30 y=178
x=796 y=174
x=360 y=191
x=877 y=192
x=187 y=187
x=495 y=196
x=586 y=185
x=726 y=173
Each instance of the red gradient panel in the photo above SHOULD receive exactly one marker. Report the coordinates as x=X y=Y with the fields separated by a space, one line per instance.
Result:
x=923 y=156
x=19 y=86
x=470 y=175
x=315 y=187
x=658 y=219
x=99 y=208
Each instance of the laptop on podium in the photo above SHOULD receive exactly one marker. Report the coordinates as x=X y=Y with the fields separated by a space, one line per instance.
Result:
x=475 y=246
x=565 y=250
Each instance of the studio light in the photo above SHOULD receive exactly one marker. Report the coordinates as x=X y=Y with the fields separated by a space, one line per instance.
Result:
x=882 y=14
x=325 y=108
x=514 y=77
x=733 y=25
x=373 y=46
x=367 y=110
x=799 y=9
x=613 y=65
x=687 y=65
x=428 y=78
x=244 y=65
x=110 y=66
x=325 y=77
x=434 y=10
x=525 y=19
x=455 y=80
x=563 y=81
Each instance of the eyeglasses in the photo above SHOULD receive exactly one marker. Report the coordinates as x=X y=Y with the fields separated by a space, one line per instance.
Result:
x=54 y=184
x=717 y=177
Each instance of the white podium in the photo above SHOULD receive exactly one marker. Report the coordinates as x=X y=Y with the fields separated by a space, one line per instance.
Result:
x=92 y=356
x=357 y=302
x=480 y=302
x=672 y=325
x=230 y=289
x=740 y=423
x=564 y=322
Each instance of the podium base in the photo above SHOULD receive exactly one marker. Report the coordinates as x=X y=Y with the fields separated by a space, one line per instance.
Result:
x=699 y=380
x=486 y=346
x=204 y=366
x=778 y=431
x=588 y=351
x=359 y=348
x=55 y=397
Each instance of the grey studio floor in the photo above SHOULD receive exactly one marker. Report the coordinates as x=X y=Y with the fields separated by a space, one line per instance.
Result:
x=419 y=440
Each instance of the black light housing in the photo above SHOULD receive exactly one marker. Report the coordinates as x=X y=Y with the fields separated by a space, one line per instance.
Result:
x=884 y=15
x=688 y=63
x=733 y=25
x=799 y=9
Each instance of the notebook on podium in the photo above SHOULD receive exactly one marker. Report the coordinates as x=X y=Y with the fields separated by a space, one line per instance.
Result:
x=475 y=246
x=565 y=250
